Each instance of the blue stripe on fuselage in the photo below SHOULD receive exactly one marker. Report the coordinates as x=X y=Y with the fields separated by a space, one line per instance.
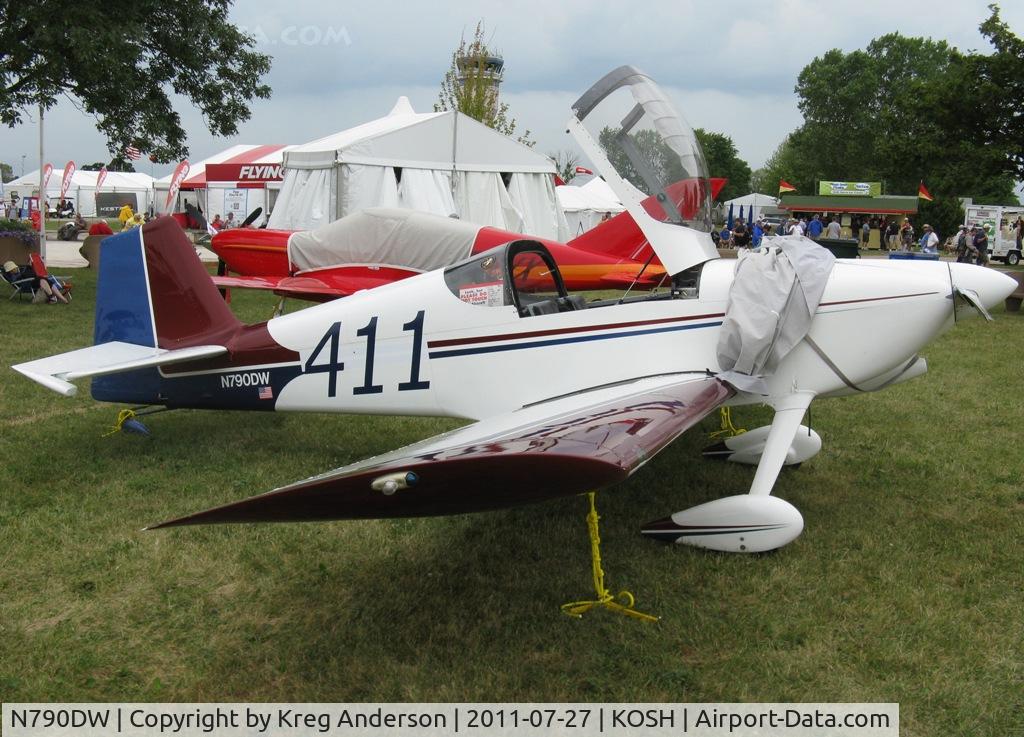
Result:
x=563 y=341
x=235 y=389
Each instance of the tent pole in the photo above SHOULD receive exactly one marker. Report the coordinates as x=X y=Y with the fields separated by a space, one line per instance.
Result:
x=42 y=192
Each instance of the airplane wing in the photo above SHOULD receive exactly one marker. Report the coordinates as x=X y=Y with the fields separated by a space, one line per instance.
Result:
x=560 y=447
x=319 y=286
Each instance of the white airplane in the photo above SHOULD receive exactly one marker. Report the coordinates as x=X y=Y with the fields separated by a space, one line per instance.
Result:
x=567 y=396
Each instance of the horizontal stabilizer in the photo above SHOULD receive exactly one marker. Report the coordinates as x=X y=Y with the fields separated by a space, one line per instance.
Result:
x=56 y=372
x=564 y=446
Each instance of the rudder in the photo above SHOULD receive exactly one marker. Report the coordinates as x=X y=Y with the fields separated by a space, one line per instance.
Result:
x=154 y=291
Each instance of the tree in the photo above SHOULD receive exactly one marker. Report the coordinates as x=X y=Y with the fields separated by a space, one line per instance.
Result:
x=116 y=164
x=719 y=154
x=121 y=61
x=471 y=86
x=902 y=111
x=783 y=164
x=565 y=164
x=724 y=161
x=6 y=172
x=999 y=80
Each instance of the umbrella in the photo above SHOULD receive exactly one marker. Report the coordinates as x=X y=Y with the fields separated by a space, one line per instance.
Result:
x=728 y=222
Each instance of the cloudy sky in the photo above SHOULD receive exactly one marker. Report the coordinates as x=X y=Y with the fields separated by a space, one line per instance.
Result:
x=730 y=65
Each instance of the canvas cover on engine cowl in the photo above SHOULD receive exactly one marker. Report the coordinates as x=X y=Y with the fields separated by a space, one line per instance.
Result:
x=772 y=302
x=387 y=236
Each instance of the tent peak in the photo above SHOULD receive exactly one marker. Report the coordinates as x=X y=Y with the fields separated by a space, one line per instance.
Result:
x=402 y=107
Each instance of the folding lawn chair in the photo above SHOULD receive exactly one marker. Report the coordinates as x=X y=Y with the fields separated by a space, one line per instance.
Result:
x=27 y=285
x=63 y=283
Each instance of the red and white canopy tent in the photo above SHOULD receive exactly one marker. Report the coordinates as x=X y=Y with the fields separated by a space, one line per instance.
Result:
x=238 y=179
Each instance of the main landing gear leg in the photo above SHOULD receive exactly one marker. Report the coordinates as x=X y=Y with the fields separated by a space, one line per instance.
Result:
x=604 y=597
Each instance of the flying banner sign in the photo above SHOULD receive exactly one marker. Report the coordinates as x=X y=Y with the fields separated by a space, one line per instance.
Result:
x=180 y=173
x=856 y=189
x=244 y=173
x=65 y=182
x=47 y=171
x=100 y=177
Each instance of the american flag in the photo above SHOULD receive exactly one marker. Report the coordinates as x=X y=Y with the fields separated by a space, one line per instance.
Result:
x=266 y=392
x=132 y=153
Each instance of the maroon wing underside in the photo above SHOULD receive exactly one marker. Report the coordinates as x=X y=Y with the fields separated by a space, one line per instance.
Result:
x=570 y=453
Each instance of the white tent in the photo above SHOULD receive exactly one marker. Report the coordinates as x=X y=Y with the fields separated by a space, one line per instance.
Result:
x=758 y=200
x=82 y=190
x=585 y=205
x=444 y=163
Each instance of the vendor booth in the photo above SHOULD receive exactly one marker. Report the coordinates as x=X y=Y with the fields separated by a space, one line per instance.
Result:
x=852 y=203
x=444 y=163
x=236 y=180
x=117 y=189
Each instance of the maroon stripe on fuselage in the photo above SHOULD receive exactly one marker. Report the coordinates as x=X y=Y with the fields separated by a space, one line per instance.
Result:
x=563 y=331
x=874 y=299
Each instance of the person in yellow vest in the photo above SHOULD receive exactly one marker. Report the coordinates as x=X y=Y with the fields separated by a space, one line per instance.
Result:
x=125 y=214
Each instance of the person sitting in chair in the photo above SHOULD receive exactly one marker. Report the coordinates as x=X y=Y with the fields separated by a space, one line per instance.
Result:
x=46 y=289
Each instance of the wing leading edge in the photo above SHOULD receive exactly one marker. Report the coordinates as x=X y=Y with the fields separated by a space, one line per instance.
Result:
x=561 y=447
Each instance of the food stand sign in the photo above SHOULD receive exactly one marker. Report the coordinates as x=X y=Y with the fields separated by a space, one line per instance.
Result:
x=856 y=189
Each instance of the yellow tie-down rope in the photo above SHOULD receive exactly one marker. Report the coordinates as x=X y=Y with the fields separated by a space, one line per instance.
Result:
x=727 y=430
x=122 y=417
x=604 y=597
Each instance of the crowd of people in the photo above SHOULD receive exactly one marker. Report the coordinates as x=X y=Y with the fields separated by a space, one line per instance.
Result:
x=971 y=244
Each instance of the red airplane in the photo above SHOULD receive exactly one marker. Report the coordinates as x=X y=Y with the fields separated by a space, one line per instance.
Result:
x=374 y=247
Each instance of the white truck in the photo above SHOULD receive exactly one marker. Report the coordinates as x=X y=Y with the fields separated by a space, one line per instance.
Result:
x=1000 y=222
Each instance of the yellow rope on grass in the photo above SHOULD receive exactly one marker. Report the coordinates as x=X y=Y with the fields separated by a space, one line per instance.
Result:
x=122 y=417
x=727 y=429
x=604 y=596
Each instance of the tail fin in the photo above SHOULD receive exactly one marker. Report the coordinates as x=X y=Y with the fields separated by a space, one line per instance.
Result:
x=153 y=291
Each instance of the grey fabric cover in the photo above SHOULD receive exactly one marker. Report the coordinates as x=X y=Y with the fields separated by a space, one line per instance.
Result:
x=772 y=301
x=384 y=236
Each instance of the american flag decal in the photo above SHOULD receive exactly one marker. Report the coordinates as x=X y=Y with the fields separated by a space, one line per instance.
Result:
x=132 y=153
x=266 y=392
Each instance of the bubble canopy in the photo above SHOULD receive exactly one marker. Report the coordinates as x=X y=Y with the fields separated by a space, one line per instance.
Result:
x=650 y=145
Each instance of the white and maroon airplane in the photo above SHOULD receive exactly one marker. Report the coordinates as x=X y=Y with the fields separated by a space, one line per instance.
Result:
x=565 y=395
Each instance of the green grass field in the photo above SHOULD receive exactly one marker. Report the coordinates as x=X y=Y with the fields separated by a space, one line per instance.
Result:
x=907 y=584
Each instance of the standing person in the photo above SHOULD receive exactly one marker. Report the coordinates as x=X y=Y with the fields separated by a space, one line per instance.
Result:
x=794 y=227
x=865 y=233
x=964 y=246
x=757 y=233
x=1020 y=231
x=834 y=229
x=815 y=227
x=740 y=235
x=929 y=241
x=125 y=214
x=906 y=235
x=891 y=236
x=981 y=244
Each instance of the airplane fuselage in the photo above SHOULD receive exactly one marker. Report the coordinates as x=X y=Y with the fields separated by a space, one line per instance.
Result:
x=416 y=348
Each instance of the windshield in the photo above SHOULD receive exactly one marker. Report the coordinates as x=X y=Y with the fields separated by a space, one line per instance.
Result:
x=650 y=145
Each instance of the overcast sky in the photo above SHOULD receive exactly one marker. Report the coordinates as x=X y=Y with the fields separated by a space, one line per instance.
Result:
x=730 y=66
